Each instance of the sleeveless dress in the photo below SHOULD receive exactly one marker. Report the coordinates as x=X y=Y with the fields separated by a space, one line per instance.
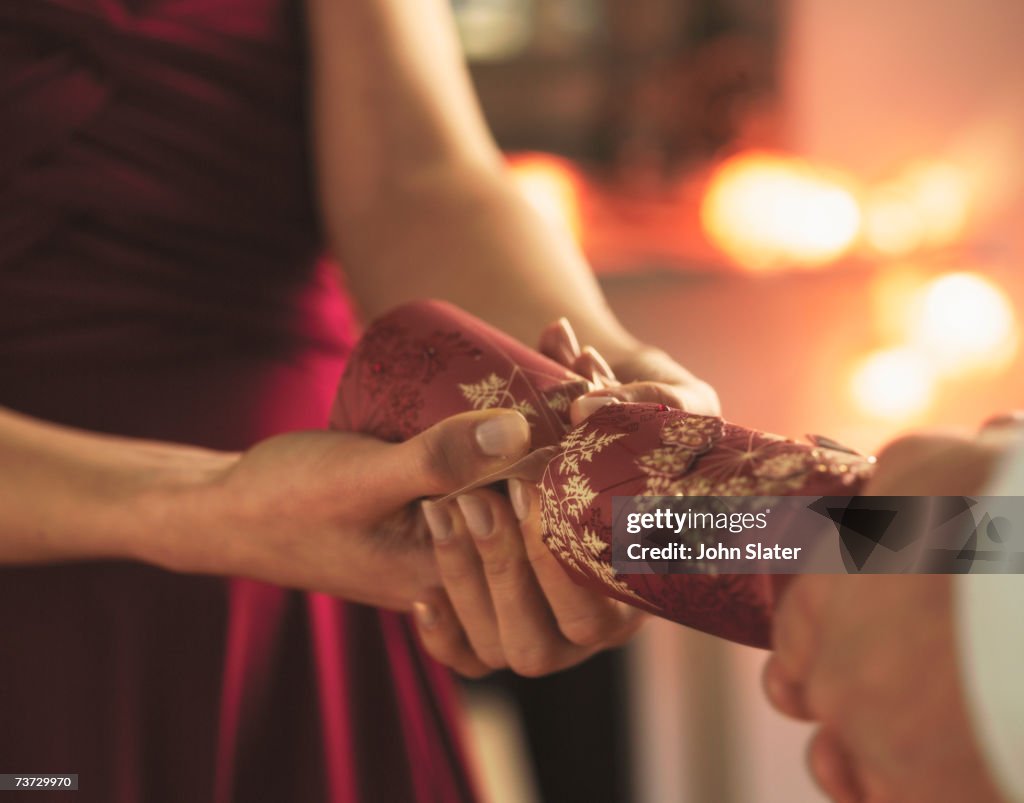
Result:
x=160 y=278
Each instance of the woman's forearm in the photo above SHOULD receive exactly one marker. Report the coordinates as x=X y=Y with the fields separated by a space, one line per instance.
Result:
x=467 y=235
x=72 y=495
x=413 y=195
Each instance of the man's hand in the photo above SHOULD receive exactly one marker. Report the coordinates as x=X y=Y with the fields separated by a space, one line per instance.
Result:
x=873 y=659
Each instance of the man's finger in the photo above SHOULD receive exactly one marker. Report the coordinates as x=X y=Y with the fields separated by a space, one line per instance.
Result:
x=796 y=626
x=831 y=769
x=786 y=695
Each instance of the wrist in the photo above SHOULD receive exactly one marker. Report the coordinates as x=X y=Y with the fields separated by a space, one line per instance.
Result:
x=169 y=514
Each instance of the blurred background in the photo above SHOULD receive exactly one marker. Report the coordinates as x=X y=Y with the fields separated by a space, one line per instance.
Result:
x=813 y=204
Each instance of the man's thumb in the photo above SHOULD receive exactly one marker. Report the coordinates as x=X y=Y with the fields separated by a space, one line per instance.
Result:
x=457 y=451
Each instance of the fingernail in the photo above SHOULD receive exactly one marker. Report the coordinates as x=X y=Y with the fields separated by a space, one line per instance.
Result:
x=599 y=361
x=503 y=435
x=519 y=494
x=570 y=345
x=477 y=514
x=588 y=405
x=425 y=613
x=438 y=521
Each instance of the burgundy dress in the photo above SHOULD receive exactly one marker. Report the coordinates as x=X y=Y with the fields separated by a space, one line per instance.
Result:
x=159 y=278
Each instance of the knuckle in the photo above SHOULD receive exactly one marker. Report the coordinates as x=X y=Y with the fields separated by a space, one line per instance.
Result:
x=630 y=622
x=794 y=628
x=436 y=458
x=491 y=654
x=457 y=572
x=500 y=566
x=820 y=754
x=825 y=699
x=788 y=640
x=907 y=449
x=443 y=652
x=447 y=641
x=538 y=555
x=533 y=662
x=587 y=630
x=471 y=670
x=448 y=646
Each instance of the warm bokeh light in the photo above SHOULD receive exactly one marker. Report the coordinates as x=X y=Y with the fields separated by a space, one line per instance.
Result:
x=895 y=288
x=551 y=186
x=892 y=225
x=926 y=206
x=965 y=324
x=770 y=211
x=894 y=384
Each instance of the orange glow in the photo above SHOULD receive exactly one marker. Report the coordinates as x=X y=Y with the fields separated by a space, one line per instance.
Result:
x=894 y=384
x=927 y=206
x=891 y=223
x=965 y=324
x=895 y=289
x=770 y=211
x=551 y=187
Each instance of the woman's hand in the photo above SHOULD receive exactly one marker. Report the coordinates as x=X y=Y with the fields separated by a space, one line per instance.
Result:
x=332 y=512
x=647 y=375
x=506 y=601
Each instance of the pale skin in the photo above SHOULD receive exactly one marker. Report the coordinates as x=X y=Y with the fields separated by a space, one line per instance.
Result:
x=874 y=661
x=415 y=203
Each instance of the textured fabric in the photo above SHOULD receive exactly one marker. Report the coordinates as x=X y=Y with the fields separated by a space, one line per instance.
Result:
x=159 y=278
x=427 y=360
x=649 y=450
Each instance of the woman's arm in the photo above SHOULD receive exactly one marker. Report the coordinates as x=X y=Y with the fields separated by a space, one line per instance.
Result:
x=414 y=195
x=416 y=203
x=68 y=495
x=323 y=511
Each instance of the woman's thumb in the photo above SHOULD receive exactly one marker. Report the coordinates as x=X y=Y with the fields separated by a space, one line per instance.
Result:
x=456 y=452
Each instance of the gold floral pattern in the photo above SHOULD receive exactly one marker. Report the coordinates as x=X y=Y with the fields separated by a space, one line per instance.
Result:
x=580 y=446
x=696 y=432
x=524 y=408
x=488 y=392
x=737 y=462
x=783 y=466
x=559 y=402
x=666 y=461
x=495 y=391
x=566 y=498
